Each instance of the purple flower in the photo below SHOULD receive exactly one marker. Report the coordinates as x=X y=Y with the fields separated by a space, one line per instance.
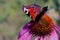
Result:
x=25 y=34
x=41 y=27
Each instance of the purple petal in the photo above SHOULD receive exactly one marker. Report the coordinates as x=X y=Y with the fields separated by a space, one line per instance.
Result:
x=27 y=25
x=53 y=36
x=57 y=28
x=21 y=33
x=24 y=30
x=30 y=37
x=45 y=38
x=36 y=38
x=25 y=36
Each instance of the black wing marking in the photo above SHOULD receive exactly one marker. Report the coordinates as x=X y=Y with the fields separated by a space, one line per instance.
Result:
x=41 y=14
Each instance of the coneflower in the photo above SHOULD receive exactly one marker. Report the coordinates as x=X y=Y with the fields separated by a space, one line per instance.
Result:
x=41 y=26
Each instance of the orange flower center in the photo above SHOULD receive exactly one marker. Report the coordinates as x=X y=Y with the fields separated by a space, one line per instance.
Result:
x=43 y=27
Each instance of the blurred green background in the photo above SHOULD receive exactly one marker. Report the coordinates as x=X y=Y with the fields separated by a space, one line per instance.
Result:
x=12 y=18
